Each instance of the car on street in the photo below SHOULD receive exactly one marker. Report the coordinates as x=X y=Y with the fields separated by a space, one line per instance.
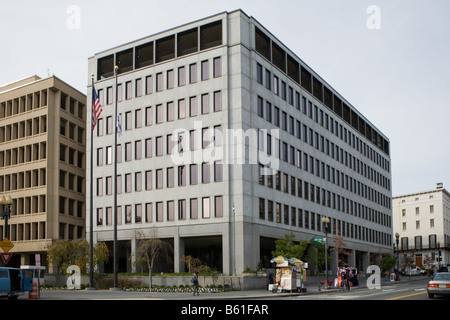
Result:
x=416 y=271
x=439 y=285
x=14 y=282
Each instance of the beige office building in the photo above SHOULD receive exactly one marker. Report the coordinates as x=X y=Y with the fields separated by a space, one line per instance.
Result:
x=422 y=223
x=42 y=165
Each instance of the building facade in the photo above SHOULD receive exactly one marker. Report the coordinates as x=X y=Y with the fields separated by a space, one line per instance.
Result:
x=422 y=222
x=228 y=142
x=42 y=165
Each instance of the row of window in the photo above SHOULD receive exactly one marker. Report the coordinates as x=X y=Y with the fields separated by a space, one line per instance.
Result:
x=173 y=210
x=71 y=131
x=431 y=225
x=418 y=245
x=308 y=163
x=160 y=50
x=24 y=154
x=301 y=103
x=162 y=145
x=291 y=68
x=163 y=81
x=71 y=181
x=23 y=104
x=417 y=210
x=23 y=129
x=288 y=215
x=23 y=180
x=162 y=178
x=308 y=191
x=301 y=131
x=159 y=114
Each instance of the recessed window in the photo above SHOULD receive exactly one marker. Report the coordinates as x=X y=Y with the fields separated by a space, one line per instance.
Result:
x=165 y=49
x=124 y=61
x=187 y=42
x=144 y=55
x=211 y=35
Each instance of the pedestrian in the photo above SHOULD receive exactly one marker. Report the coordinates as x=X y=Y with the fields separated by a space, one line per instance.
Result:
x=194 y=281
x=347 y=278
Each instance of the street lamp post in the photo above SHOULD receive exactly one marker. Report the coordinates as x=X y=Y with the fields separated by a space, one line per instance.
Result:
x=326 y=222
x=397 y=236
x=6 y=212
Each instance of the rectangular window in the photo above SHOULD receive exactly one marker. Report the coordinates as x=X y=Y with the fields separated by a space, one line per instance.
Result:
x=217 y=101
x=159 y=113
x=205 y=70
x=138 y=181
x=193 y=205
x=138 y=213
x=148 y=212
x=148 y=148
x=148 y=180
x=159 y=212
x=218 y=206
x=128 y=90
x=193 y=106
x=206 y=208
x=138 y=119
x=159 y=179
x=218 y=171
x=159 y=82
x=193 y=73
x=128 y=214
x=170 y=211
x=193 y=173
x=217 y=67
x=138 y=150
x=182 y=209
x=181 y=176
x=170 y=79
x=181 y=109
x=205 y=172
x=205 y=103
x=170 y=111
x=170 y=178
x=181 y=76
x=148 y=116
x=262 y=208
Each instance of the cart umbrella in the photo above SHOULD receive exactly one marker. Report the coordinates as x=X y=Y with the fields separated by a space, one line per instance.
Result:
x=296 y=262
x=279 y=260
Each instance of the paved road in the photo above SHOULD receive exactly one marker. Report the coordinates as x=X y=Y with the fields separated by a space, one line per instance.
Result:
x=411 y=290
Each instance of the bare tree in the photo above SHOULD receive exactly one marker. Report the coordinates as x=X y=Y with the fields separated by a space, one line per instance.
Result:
x=150 y=249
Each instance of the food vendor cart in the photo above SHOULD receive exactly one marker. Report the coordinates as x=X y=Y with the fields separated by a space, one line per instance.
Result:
x=290 y=274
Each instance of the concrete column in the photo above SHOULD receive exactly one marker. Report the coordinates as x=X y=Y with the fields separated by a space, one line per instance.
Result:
x=178 y=254
x=365 y=261
x=227 y=259
x=334 y=262
x=352 y=258
x=133 y=255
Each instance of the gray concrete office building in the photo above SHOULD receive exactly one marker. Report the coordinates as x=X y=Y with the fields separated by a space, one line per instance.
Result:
x=230 y=141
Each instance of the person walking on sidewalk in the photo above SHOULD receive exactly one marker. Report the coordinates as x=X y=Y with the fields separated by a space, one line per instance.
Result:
x=194 y=281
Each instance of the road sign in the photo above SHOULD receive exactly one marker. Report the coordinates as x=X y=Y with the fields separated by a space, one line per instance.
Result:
x=319 y=239
x=6 y=245
x=6 y=257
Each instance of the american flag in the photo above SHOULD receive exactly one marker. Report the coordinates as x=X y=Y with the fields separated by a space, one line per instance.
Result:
x=96 y=108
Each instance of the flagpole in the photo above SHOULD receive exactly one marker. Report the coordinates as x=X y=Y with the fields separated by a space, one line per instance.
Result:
x=91 y=218
x=116 y=258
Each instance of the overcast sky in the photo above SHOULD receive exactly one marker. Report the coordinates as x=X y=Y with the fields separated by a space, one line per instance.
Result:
x=390 y=59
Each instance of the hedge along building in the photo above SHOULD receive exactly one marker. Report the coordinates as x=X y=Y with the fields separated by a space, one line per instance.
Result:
x=229 y=141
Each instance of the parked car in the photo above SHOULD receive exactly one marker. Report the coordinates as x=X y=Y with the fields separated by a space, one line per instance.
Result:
x=13 y=283
x=440 y=285
x=416 y=271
